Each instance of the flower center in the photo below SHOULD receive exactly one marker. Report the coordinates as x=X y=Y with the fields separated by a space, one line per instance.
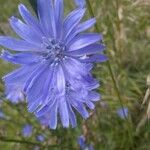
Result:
x=54 y=50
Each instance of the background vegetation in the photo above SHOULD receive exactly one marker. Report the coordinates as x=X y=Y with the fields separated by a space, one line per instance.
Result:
x=125 y=25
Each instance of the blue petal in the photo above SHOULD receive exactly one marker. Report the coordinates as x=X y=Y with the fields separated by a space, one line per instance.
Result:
x=92 y=49
x=14 y=92
x=28 y=18
x=24 y=31
x=80 y=28
x=20 y=58
x=72 y=116
x=47 y=95
x=19 y=74
x=42 y=111
x=46 y=17
x=53 y=116
x=80 y=3
x=72 y=20
x=38 y=87
x=17 y=45
x=90 y=104
x=14 y=83
x=75 y=68
x=81 y=109
x=63 y=112
x=45 y=108
x=86 y=25
x=84 y=40
x=94 y=96
x=89 y=82
x=40 y=68
x=59 y=14
x=61 y=84
x=95 y=58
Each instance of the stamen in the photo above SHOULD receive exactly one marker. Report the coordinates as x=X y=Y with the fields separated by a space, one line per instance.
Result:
x=54 y=50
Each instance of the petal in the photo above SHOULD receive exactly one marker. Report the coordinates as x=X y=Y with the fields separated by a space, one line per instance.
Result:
x=20 y=58
x=38 y=88
x=46 y=95
x=46 y=16
x=80 y=108
x=28 y=18
x=61 y=84
x=33 y=78
x=19 y=74
x=53 y=116
x=94 y=96
x=72 y=116
x=72 y=20
x=17 y=45
x=92 y=49
x=63 y=112
x=90 y=104
x=59 y=14
x=80 y=28
x=43 y=110
x=24 y=31
x=14 y=83
x=84 y=40
x=95 y=58
x=89 y=82
x=80 y=3
x=75 y=68
x=14 y=92
x=86 y=25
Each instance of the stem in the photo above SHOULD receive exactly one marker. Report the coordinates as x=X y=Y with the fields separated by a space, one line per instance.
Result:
x=113 y=78
x=5 y=139
x=108 y=63
x=9 y=140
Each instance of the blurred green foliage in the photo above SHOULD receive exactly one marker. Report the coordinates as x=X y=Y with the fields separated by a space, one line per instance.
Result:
x=125 y=25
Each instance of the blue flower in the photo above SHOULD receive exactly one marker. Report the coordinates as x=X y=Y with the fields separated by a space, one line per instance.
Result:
x=40 y=138
x=81 y=141
x=27 y=130
x=83 y=145
x=90 y=147
x=56 y=57
x=123 y=112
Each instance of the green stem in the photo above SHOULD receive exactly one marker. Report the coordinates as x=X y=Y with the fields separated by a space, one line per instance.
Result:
x=5 y=139
x=113 y=78
x=108 y=63
x=9 y=140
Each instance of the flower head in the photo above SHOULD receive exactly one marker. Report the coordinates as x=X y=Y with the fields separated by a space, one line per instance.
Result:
x=27 y=130
x=83 y=145
x=40 y=138
x=55 y=58
x=81 y=141
x=122 y=112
